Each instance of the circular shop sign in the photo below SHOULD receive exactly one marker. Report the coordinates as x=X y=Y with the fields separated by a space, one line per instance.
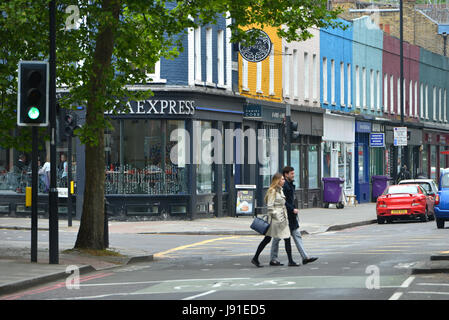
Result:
x=260 y=50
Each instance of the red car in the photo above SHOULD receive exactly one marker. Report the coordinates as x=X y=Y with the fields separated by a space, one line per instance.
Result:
x=405 y=201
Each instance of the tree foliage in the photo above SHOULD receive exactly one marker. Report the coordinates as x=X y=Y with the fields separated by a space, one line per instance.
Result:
x=112 y=44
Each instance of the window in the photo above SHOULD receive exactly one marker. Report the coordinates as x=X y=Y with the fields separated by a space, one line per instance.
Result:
x=398 y=104
x=342 y=84
x=410 y=111
x=440 y=105
x=434 y=103
x=138 y=158
x=349 y=85
x=445 y=107
x=371 y=86
x=198 y=54
x=270 y=149
x=209 y=55
x=357 y=87
x=313 y=166
x=245 y=75
x=259 y=78
x=378 y=90
x=421 y=100
x=333 y=81
x=287 y=73
x=220 y=57
x=385 y=93
x=427 y=102
x=204 y=171
x=272 y=71
x=364 y=87
x=295 y=74
x=295 y=161
x=306 y=75
x=416 y=99
x=314 y=80
x=391 y=94
x=325 y=80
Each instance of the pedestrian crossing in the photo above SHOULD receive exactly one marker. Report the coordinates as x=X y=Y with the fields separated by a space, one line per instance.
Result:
x=330 y=243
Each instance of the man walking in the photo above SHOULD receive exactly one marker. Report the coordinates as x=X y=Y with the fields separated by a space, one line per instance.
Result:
x=289 y=192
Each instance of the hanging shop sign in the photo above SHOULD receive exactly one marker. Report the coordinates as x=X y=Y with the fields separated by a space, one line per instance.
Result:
x=400 y=136
x=260 y=50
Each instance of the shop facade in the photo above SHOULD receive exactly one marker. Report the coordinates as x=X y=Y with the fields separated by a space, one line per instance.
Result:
x=433 y=161
x=362 y=161
x=306 y=155
x=338 y=149
x=165 y=157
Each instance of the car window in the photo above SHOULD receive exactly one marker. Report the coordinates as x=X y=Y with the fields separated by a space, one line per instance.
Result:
x=401 y=189
x=445 y=181
x=426 y=186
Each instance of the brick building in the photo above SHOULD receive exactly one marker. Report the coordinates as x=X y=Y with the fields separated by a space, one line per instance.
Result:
x=423 y=24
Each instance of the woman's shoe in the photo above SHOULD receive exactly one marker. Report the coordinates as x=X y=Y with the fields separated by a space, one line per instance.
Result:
x=275 y=263
x=256 y=262
x=293 y=264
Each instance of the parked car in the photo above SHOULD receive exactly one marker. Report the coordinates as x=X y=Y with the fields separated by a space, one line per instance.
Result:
x=442 y=200
x=404 y=201
x=430 y=187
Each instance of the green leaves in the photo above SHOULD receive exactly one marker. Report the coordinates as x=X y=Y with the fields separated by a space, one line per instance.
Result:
x=142 y=33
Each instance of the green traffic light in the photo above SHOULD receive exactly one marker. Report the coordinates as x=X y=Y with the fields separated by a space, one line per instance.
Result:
x=33 y=113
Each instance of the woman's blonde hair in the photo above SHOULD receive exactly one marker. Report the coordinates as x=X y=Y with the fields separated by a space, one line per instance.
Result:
x=274 y=184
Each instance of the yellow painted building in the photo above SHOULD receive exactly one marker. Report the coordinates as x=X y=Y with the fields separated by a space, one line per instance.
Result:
x=263 y=80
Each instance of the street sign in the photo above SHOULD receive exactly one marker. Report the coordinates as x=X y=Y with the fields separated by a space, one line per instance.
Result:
x=377 y=140
x=400 y=136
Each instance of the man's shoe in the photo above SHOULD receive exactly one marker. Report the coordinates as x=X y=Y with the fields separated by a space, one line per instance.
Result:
x=308 y=260
x=256 y=263
x=293 y=264
x=275 y=263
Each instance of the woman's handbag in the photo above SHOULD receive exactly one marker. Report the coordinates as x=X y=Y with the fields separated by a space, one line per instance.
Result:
x=260 y=225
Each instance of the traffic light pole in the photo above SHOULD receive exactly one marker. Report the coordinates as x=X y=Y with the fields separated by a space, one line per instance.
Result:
x=53 y=193
x=288 y=126
x=34 y=187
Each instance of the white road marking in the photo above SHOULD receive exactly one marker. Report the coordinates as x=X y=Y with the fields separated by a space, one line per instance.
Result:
x=429 y=292
x=200 y=295
x=433 y=284
x=396 y=296
x=407 y=282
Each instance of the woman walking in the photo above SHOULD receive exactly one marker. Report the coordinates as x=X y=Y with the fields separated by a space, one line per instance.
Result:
x=277 y=211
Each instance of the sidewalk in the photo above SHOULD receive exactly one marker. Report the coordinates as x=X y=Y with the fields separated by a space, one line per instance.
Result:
x=18 y=273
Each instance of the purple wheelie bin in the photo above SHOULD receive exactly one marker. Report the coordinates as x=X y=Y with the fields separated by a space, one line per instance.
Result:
x=333 y=192
x=379 y=184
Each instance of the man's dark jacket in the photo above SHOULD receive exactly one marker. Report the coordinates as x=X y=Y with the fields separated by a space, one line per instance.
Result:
x=289 y=192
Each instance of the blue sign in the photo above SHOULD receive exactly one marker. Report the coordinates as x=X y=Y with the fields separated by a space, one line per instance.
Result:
x=363 y=127
x=377 y=140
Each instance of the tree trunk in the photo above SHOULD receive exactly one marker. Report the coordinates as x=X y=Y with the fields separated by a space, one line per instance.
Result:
x=91 y=231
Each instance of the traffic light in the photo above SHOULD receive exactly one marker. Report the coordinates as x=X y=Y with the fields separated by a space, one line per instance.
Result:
x=32 y=94
x=294 y=130
x=70 y=123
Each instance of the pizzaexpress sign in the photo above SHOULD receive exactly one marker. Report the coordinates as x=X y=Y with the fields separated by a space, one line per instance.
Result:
x=157 y=107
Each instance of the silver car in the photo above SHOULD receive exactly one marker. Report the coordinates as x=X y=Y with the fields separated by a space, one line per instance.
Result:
x=427 y=184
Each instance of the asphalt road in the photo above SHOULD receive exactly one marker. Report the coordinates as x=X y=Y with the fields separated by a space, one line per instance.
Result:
x=365 y=263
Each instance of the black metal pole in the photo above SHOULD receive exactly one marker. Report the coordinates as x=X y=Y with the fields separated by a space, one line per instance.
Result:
x=289 y=134
x=69 y=180
x=53 y=194
x=106 y=225
x=34 y=186
x=401 y=33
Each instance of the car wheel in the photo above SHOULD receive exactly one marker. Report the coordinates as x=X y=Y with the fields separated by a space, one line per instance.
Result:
x=425 y=216
x=380 y=220
x=440 y=223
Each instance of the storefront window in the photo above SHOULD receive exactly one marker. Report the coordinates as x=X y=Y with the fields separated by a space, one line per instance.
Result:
x=424 y=161
x=269 y=163
x=137 y=154
x=348 y=172
x=339 y=148
x=361 y=163
x=296 y=164
x=327 y=159
x=204 y=172
x=433 y=162
x=313 y=167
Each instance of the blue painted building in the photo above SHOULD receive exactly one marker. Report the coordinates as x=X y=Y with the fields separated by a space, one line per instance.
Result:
x=336 y=97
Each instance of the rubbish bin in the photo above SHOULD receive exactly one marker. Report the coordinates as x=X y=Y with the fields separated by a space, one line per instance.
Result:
x=333 y=192
x=379 y=183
